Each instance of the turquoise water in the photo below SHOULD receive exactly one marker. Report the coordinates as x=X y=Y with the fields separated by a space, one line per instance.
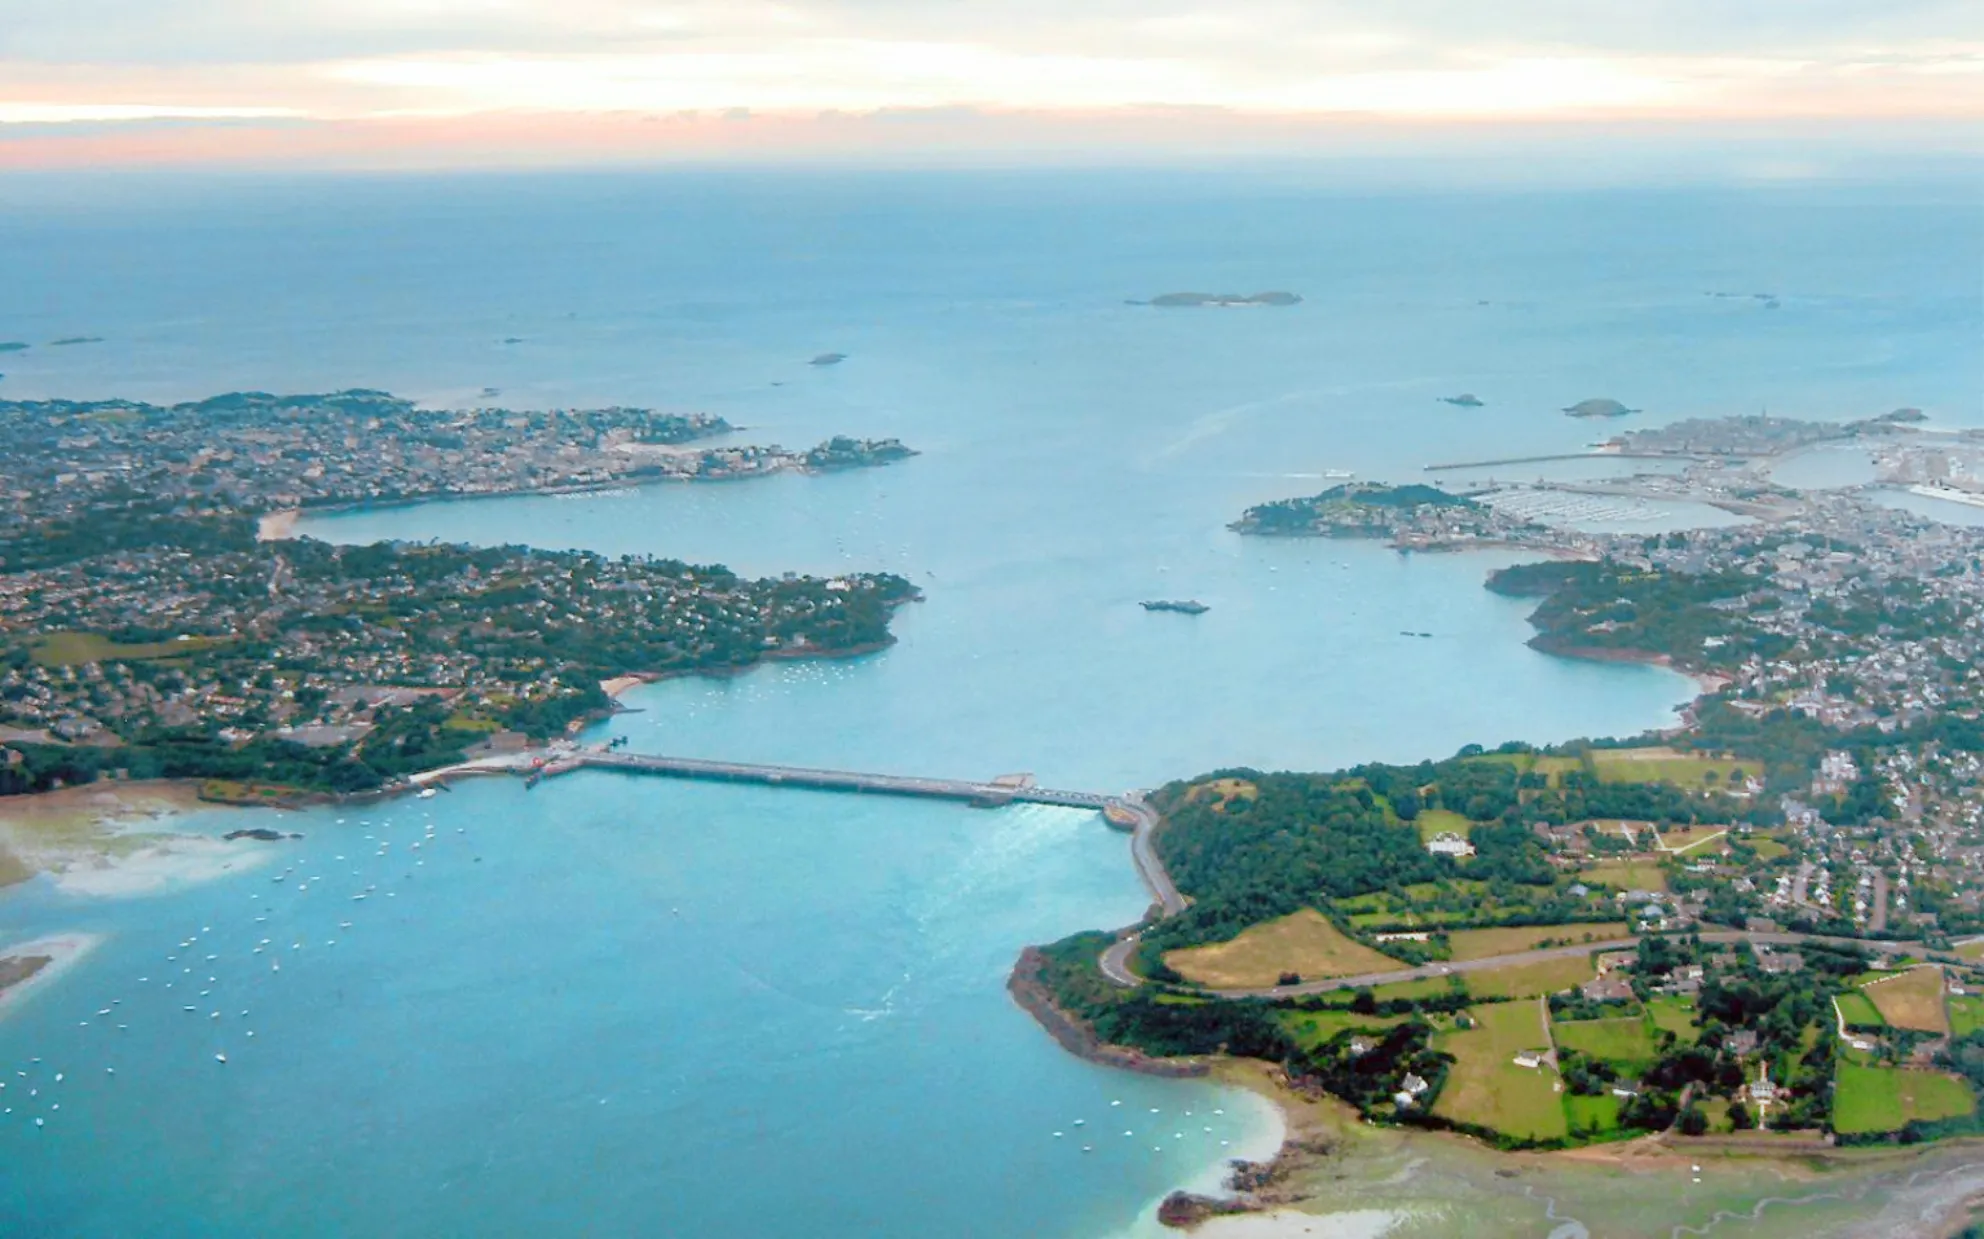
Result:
x=657 y=1008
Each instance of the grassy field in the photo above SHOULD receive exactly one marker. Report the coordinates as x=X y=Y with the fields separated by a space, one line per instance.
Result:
x=1531 y=980
x=1487 y=1088
x=1221 y=791
x=1675 y=1015
x=1858 y=1010
x=1426 y=987
x=1885 y=1098
x=1313 y=1028
x=1912 y=1000
x=1525 y=763
x=73 y=649
x=1665 y=765
x=1487 y=943
x=234 y=792
x=1594 y=1114
x=1691 y=838
x=1302 y=942
x=1623 y=1040
x=1629 y=875
x=1966 y=1015
x=1971 y=950
x=1442 y=822
x=1769 y=849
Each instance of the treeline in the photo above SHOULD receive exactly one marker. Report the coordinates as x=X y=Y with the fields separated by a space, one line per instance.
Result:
x=1300 y=840
x=1604 y=605
x=1149 y=1019
x=123 y=523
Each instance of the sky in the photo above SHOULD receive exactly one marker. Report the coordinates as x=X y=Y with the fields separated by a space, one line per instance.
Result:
x=385 y=82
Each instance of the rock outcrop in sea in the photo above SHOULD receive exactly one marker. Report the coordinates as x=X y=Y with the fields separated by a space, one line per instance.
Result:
x=1598 y=406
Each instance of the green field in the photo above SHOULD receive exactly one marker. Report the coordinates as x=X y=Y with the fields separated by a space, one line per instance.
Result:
x=1314 y=1028
x=1623 y=1040
x=1966 y=1015
x=1675 y=1015
x=72 y=649
x=1593 y=1114
x=1486 y=1088
x=1488 y=943
x=1769 y=849
x=1627 y=875
x=1692 y=839
x=1427 y=987
x=1886 y=1098
x=1859 y=1011
x=1531 y=980
x=1664 y=765
x=1971 y=950
x=1442 y=822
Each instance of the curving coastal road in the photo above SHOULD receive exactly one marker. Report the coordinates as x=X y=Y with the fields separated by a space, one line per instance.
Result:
x=1144 y=852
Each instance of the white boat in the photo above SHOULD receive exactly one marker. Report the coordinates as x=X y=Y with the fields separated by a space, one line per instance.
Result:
x=1338 y=473
x=427 y=793
x=221 y=1059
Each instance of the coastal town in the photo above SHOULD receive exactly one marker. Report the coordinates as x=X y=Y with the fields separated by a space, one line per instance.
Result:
x=149 y=627
x=252 y=451
x=1768 y=918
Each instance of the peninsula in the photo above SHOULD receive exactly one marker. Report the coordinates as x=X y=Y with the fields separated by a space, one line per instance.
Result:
x=152 y=625
x=260 y=452
x=1404 y=514
x=1762 y=931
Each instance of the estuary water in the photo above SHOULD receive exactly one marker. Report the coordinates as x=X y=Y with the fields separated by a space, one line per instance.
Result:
x=619 y=1006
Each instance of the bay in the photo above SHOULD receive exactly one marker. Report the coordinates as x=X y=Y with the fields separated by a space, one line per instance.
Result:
x=633 y=1006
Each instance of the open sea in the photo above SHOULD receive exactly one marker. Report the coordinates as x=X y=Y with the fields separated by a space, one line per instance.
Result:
x=613 y=1006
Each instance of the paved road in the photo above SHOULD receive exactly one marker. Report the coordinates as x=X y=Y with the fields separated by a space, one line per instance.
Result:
x=1550 y=953
x=1115 y=962
x=1144 y=852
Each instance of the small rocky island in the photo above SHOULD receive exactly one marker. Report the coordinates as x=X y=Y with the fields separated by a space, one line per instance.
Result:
x=1189 y=606
x=1466 y=400
x=842 y=452
x=1598 y=406
x=1169 y=301
x=828 y=359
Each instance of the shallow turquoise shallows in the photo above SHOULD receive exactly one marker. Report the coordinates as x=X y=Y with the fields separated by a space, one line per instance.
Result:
x=620 y=1006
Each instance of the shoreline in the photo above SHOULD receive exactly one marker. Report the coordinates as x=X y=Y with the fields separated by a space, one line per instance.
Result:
x=61 y=951
x=278 y=525
x=1710 y=682
x=1076 y=1037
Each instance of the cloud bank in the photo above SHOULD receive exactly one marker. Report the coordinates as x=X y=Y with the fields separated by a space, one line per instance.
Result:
x=122 y=80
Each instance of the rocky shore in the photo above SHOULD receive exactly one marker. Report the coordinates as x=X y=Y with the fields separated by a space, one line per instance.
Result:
x=1077 y=1037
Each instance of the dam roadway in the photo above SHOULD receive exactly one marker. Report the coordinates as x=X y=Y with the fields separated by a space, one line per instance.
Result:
x=1127 y=811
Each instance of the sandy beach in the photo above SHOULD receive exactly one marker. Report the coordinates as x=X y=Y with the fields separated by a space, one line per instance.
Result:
x=621 y=683
x=62 y=952
x=160 y=865
x=113 y=839
x=1358 y=1181
x=277 y=526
